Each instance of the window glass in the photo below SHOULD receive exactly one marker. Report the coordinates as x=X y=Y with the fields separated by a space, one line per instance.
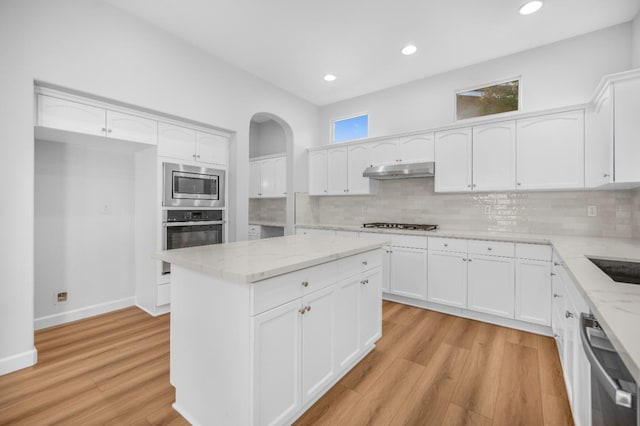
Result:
x=351 y=128
x=495 y=99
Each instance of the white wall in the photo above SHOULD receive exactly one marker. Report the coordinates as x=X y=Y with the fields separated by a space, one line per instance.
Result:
x=266 y=138
x=555 y=75
x=84 y=228
x=92 y=47
x=635 y=42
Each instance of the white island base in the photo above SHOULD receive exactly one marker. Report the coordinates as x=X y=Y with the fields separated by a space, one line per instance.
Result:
x=261 y=353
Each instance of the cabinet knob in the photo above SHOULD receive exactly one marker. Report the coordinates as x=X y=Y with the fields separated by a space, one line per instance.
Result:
x=446 y=245
x=469 y=260
x=104 y=129
x=365 y=263
x=302 y=311
x=553 y=274
x=519 y=183
x=193 y=155
x=474 y=185
x=284 y=193
x=489 y=248
x=556 y=295
x=260 y=193
x=307 y=308
x=198 y=156
x=606 y=175
x=468 y=186
x=110 y=130
x=362 y=282
x=556 y=264
x=464 y=260
x=305 y=283
x=325 y=190
x=568 y=314
x=556 y=336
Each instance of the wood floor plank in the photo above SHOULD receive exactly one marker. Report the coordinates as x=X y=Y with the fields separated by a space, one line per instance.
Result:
x=524 y=338
x=333 y=406
x=477 y=388
x=421 y=343
x=407 y=315
x=427 y=403
x=551 y=376
x=519 y=396
x=365 y=374
x=458 y=416
x=556 y=411
x=462 y=333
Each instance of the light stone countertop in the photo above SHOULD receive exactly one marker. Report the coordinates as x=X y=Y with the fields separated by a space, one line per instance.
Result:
x=615 y=305
x=267 y=223
x=251 y=261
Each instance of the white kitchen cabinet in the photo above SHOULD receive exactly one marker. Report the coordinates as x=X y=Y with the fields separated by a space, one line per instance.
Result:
x=383 y=152
x=318 y=341
x=599 y=141
x=626 y=130
x=277 y=386
x=533 y=291
x=337 y=171
x=453 y=160
x=347 y=340
x=314 y=231
x=386 y=268
x=491 y=285
x=176 y=142
x=558 y=298
x=408 y=272
x=494 y=157
x=212 y=149
x=416 y=149
x=357 y=162
x=370 y=307
x=267 y=177
x=131 y=128
x=447 y=278
x=318 y=172
x=550 y=151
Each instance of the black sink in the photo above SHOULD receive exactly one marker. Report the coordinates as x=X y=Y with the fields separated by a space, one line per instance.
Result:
x=619 y=271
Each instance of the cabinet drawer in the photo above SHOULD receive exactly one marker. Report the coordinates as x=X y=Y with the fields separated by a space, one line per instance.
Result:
x=272 y=292
x=492 y=248
x=164 y=294
x=447 y=244
x=359 y=262
x=533 y=251
x=254 y=229
x=408 y=241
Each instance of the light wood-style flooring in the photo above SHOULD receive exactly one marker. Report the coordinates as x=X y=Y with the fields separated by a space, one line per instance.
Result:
x=428 y=369
x=435 y=369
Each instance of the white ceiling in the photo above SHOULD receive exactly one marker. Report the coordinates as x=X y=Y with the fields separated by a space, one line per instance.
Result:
x=294 y=43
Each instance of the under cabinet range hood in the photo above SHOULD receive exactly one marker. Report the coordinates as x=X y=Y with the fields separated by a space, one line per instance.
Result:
x=400 y=171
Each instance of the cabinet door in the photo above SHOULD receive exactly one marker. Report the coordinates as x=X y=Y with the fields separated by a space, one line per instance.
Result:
x=550 y=151
x=494 y=157
x=370 y=308
x=212 y=149
x=318 y=172
x=408 y=275
x=491 y=285
x=176 y=142
x=448 y=278
x=384 y=152
x=558 y=310
x=533 y=291
x=626 y=130
x=599 y=141
x=267 y=184
x=337 y=171
x=386 y=268
x=280 y=178
x=347 y=337
x=72 y=116
x=277 y=363
x=131 y=128
x=318 y=341
x=570 y=336
x=255 y=179
x=453 y=160
x=357 y=161
x=416 y=149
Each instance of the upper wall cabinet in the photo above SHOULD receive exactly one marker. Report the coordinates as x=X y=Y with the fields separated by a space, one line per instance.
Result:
x=187 y=144
x=494 y=157
x=612 y=150
x=453 y=160
x=410 y=149
x=550 y=151
x=268 y=177
x=318 y=172
x=77 y=117
x=338 y=171
x=357 y=162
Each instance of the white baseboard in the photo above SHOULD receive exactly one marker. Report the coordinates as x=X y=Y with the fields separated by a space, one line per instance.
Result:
x=159 y=310
x=76 y=314
x=18 y=361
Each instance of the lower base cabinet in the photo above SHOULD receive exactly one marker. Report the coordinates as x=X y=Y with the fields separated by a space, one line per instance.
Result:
x=408 y=272
x=491 y=285
x=533 y=291
x=447 y=282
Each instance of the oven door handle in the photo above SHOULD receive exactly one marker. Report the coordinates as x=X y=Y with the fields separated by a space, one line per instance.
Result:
x=194 y=223
x=619 y=395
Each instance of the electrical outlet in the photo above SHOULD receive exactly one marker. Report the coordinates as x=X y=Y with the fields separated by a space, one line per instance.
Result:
x=60 y=297
x=592 y=211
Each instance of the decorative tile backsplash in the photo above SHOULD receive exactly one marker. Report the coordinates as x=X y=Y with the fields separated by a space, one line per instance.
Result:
x=414 y=201
x=268 y=210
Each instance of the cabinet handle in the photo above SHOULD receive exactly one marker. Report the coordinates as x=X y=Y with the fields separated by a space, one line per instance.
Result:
x=464 y=260
x=469 y=260
x=307 y=308
x=104 y=129
x=198 y=156
x=557 y=264
x=568 y=314
x=260 y=193
x=193 y=155
x=446 y=245
x=468 y=186
x=519 y=183
x=556 y=336
x=362 y=282
x=489 y=248
x=365 y=263
x=474 y=185
x=556 y=295
x=553 y=274
x=325 y=190
x=606 y=175
x=302 y=311
x=305 y=283
x=110 y=130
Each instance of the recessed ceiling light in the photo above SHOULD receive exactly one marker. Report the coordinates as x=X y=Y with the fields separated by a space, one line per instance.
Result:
x=409 y=50
x=329 y=77
x=530 y=7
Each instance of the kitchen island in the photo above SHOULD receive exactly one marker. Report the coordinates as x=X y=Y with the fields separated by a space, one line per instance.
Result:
x=261 y=329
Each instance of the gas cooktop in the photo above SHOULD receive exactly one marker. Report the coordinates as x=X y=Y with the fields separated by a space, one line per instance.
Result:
x=407 y=226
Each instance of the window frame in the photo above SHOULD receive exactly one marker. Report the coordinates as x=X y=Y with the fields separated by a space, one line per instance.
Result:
x=482 y=86
x=347 y=117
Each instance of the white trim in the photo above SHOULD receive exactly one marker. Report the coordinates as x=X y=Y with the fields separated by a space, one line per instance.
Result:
x=483 y=86
x=160 y=310
x=18 y=361
x=81 y=313
x=268 y=157
x=333 y=125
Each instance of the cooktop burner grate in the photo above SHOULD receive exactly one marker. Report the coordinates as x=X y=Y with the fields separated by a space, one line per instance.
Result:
x=408 y=226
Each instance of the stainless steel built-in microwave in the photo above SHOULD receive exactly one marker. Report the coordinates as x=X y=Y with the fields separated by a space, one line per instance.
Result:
x=192 y=186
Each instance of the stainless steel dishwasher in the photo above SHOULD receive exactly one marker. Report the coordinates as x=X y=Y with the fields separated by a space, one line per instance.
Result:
x=614 y=393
